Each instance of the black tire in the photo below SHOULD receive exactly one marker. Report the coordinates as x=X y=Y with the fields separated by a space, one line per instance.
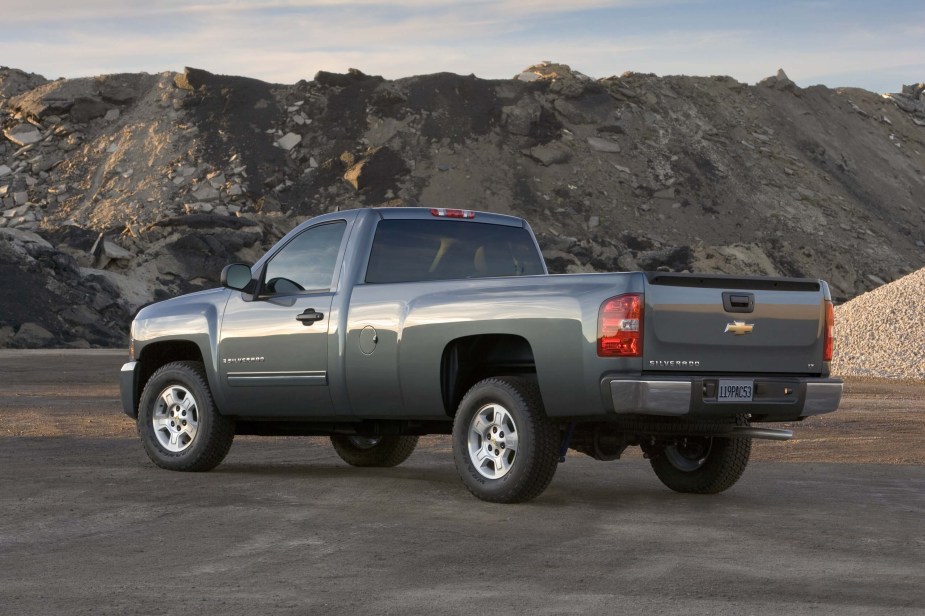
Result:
x=214 y=433
x=703 y=465
x=525 y=473
x=383 y=451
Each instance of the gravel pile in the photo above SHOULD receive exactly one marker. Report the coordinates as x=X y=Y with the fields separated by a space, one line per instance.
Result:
x=882 y=333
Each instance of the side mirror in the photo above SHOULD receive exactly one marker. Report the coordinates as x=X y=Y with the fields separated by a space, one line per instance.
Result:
x=237 y=276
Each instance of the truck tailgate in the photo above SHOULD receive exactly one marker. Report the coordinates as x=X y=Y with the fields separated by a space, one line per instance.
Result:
x=720 y=324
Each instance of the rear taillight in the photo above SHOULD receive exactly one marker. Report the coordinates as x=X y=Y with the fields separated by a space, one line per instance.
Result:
x=619 y=328
x=828 y=340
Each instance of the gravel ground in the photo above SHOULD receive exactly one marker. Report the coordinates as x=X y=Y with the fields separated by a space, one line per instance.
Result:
x=880 y=333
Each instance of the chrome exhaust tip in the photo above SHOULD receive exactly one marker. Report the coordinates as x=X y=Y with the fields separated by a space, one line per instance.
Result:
x=770 y=434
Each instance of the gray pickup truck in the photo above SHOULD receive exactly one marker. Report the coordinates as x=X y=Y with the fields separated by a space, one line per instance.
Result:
x=376 y=326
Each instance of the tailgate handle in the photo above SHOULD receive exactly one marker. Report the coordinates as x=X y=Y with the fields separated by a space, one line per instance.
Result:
x=738 y=301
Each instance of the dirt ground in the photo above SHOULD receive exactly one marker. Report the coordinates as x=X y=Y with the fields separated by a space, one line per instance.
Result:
x=829 y=523
x=76 y=393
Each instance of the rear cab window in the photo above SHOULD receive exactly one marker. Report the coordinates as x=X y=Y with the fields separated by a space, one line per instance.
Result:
x=419 y=250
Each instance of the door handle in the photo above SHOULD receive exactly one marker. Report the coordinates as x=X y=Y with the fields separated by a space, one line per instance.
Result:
x=309 y=316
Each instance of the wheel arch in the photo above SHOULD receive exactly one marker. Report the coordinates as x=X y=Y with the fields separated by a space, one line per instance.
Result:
x=157 y=354
x=470 y=359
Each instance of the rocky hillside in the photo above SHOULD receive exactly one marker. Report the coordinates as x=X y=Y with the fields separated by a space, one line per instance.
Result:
x=123 y=189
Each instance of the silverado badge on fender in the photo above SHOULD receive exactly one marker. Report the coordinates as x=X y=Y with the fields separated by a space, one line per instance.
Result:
x=739 y=328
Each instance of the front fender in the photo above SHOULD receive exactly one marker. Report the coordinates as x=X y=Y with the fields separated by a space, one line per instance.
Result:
x=187 y=320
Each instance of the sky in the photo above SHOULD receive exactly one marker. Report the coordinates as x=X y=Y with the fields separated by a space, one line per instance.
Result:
x=874 y=45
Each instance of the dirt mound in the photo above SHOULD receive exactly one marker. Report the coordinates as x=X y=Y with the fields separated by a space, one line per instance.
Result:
x=49 y=300
x=118 y=173
x=880 y=333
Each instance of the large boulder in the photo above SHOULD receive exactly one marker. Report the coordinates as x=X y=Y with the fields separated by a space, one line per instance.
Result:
x=780 y=81
x=86 y=108
x=14 y=81
x=32 y=336
x=376 y=172
x=53 y=98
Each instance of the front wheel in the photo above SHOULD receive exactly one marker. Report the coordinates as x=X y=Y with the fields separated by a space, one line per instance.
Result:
x=378 y=451
x=179 y=426
x=702 y=464
x=504 y=446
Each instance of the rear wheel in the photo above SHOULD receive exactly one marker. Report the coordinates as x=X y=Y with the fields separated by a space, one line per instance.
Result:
x=504 y=446
x=381 y=451
x=702 y=464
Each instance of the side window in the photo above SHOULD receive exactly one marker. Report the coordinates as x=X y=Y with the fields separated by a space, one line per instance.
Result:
x=307 y=262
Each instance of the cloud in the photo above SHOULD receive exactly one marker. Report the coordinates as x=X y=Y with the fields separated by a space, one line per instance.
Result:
x=288 y=40
x=29 y=11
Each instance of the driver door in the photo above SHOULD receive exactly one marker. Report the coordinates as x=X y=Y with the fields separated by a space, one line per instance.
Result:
x=273 y=348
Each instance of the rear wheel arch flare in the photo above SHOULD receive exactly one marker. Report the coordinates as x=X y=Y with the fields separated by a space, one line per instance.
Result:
x=468 y=360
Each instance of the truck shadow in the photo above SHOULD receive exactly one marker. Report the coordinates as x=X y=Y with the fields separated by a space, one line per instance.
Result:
x=626 y=493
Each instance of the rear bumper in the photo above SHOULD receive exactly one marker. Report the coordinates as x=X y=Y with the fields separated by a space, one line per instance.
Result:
x=775 y=399
x=128 y=388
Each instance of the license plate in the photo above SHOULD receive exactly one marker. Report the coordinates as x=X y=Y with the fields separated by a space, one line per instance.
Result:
x=735 y=391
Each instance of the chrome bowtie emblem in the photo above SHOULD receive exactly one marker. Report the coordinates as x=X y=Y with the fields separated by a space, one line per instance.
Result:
x=739 y=328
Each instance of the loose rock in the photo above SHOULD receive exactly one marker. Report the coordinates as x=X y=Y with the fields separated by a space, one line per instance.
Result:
x=550 y=154
x=603 y=145
x=23 y=134
x=289 y=141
